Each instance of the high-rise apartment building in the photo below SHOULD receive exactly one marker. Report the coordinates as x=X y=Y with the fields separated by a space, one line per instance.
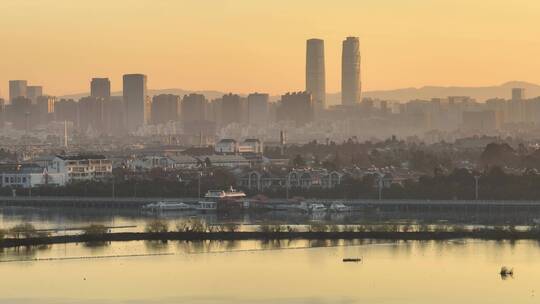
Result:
x=100 y=88
x=19 y=113
x=516 y=106
x=44 y=109
x=135 y=101
x=351 y=85
x=2 y=112
x=258 y=110
x=115 y=116
x=92 y=114
x=165 y=108
x=17 y=88
x=194 y=107
x=33 y=92
x=315 y=72
x=67 y=110
x=198 y=125
x=232 y=109
x=518 y=94
x=297 y=107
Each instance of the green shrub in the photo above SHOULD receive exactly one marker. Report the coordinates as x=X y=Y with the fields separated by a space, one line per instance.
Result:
x=95 y=230
x=193 y=225
x=156 y=226
x=25 y=230
x=318 y=227
x=230 y=227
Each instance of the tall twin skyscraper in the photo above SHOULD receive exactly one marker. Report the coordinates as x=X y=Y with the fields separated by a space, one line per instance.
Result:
x=315 y=72
x=351 y=85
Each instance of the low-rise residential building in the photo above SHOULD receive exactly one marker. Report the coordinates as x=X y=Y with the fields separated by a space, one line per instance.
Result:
x=307 y=178
x=230 y=161
x=297 y=178
x=30 y=176
x=226 y=146
x=251 y=145
x=146 y=163
x=82 y=167
x=185 y=162
x=231 y=146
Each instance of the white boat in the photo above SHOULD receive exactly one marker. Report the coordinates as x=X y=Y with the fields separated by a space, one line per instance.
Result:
x=220 y=194
x=206 y=206
x=317 y=207
x=339 y=207
x=167 y=206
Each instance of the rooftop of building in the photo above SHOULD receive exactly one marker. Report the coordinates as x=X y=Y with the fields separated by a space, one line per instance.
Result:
x=227 y=140
x=222 y=158
x=81 y=156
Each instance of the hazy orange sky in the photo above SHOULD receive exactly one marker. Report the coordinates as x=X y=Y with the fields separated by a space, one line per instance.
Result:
x=255 y=45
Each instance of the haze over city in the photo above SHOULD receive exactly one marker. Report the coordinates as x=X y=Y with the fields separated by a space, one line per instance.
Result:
x=244 y=46
x=253 y=151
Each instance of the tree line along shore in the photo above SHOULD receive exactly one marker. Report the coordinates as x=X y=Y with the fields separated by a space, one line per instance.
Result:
x=196 y=230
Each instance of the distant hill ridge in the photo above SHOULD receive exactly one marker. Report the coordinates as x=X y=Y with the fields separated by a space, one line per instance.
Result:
x=402 y=95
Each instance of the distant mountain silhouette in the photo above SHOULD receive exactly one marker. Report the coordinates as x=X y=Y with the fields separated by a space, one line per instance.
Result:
x=402 y=95
x=479 y=93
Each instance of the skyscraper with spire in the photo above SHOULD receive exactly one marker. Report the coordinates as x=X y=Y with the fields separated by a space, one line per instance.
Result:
x=315 y=72
x=351 y=83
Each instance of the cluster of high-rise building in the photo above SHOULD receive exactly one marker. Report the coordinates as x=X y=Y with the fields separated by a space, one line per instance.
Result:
x=103 y=113
x=303 y=114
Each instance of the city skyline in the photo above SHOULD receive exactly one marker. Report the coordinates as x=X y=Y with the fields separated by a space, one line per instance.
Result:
x=405 y=44
x=242 y=151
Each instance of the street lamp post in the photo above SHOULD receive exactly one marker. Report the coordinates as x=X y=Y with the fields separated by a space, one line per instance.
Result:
x=113 y=182
x=380 y=186
x=287 y=185
x=476 y=178
x=199 y=185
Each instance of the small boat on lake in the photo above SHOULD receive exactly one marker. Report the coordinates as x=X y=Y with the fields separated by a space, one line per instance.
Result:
x=352 y=260
x=505 y=271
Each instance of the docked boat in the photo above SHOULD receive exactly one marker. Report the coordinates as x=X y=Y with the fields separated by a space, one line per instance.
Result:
x=223 y=195
x=339 y=207
x=317 y=207
x=167 y=206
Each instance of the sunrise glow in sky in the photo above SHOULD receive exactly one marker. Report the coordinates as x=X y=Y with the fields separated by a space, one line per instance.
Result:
x=255 y=45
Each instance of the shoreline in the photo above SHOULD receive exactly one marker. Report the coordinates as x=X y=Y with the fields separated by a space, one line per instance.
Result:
x=262 y=236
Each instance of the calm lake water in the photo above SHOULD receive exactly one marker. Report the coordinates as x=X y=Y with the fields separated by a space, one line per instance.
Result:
x=273 y=272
